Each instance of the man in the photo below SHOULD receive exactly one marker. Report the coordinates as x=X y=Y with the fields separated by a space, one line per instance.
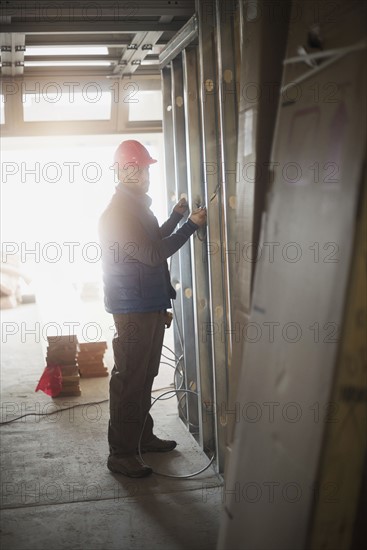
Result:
x=138 y=292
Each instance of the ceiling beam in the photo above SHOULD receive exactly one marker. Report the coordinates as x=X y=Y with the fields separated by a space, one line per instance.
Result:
x=43 y=10
x=138 y=50
x=108 y=40
x=117 y=40
x=76 y=27
x=141 y=46
x=80 y=72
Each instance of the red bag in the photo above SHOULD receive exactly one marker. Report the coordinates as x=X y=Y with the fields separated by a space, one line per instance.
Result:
x=50 y=381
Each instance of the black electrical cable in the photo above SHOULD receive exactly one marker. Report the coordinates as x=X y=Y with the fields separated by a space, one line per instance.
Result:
x=181 y=357
x=169 y=364
x=169 y=349
x=168 y=358
x=53 y=412
x=184 y=476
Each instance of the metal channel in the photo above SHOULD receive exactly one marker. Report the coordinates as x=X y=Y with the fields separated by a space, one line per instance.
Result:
x=12 y=54
x=133 y=55
x=189 y=401
x=181 y=39
x=200 y=279
x=117 y=10
x=75 y=27
x=171 y=193
x=213 y=198
x=228 y=127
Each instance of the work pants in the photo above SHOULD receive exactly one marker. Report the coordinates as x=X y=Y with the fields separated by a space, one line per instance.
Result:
x=137 y=348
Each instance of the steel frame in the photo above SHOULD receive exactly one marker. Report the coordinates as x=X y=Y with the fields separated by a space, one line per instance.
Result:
x=39 y=10
x=200 y=280
x=171 y=187
x=138 y=50
x=228 y=128
x=204 y=108
x=12 y=54
x=183 y=38
x=184 y=257
x=213 y=199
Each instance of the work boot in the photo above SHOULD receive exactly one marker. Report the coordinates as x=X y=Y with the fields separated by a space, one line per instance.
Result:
x=157 y=445
x=128 y=466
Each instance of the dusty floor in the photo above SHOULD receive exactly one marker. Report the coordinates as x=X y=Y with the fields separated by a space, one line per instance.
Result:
x=56 y=490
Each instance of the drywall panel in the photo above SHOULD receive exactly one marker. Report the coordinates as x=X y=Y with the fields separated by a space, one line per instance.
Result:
x=344 y=452
x=296 y=314
x=264 y=42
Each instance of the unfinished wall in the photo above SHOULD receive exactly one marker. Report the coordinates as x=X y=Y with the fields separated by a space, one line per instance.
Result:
x=289 y=484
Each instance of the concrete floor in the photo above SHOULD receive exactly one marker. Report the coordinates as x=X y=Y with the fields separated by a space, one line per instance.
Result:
x=56 y=490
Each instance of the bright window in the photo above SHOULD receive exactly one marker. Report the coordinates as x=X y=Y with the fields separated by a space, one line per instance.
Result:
x=89 y=104
x=147 y=105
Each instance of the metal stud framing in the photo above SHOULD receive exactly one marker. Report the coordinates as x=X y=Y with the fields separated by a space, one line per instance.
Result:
x=175 y=179
x=138 y=50
x=12 y=54
x=200 y=281
x=213 y=199
x=204 y=109
x=186 y=295
x=181 y=39
x=171 y=195
x=227 y=105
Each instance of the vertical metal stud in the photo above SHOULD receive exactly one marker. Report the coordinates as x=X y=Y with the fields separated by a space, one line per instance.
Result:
x=211 y=158
x=200 y=281
x=228 y=116
x=171 y=189
x=228 y=128
x=185 y=291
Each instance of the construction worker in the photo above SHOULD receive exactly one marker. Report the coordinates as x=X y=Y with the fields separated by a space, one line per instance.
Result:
x=137 y=292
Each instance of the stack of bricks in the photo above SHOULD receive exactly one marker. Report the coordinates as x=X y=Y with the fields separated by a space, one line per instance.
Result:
x=62 y=351
x=90 y=359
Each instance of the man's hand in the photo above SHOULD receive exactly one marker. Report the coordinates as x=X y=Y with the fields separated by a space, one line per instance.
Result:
x=181 y=206
x=199 y=216
x=168 y=319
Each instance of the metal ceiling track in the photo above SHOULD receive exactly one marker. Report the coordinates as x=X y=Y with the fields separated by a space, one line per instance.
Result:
x=130 y=30
x=44 y=10
x=70 y=16
x=183 y=38
x=12 y=54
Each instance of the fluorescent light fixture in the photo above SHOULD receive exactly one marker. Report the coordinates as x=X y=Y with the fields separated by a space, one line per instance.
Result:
x=54 y=63
x=66 y=50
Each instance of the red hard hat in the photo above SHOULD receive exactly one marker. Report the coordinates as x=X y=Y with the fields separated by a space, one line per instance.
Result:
x=131 y=151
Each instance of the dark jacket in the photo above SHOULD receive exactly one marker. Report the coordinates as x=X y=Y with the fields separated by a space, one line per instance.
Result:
x=134 y=253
